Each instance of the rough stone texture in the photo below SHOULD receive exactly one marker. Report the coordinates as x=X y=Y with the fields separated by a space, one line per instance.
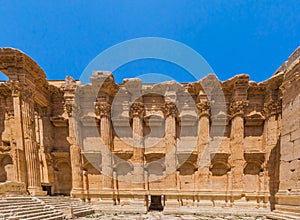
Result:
x=132 y=147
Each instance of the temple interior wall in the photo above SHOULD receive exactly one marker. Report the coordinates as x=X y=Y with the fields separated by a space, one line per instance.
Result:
x=116 y=144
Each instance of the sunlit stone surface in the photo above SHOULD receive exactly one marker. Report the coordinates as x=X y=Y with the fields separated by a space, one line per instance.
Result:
x=170 y=147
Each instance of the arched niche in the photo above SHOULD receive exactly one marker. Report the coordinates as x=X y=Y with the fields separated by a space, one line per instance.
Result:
x=187 y=168
x=123 y=168
x=219 y=164
x=252 y=170
x=155 y=168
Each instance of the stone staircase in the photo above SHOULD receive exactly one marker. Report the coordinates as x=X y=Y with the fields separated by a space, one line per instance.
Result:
x=27 y=208
x=280 y=215
x=71 y=207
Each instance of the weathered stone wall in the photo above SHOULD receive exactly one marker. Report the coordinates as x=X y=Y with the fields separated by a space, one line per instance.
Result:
x=289 y=180
x=207 y=143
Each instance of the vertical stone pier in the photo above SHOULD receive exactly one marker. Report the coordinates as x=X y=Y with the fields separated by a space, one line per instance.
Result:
x=75 y=151
x=171 y=113
x=103 y=109
x=136 y=113
x=30 y=145
x=203 y=108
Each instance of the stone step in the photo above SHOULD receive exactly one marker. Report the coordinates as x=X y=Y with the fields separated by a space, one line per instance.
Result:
x=35 y=215
x=19 y=207
x=84 y=212
x=46 y=216
x=29 y=211
x=284 y=215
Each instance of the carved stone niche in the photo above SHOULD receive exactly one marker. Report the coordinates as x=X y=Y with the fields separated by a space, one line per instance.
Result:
x=219 y=163
x=254 y=161
x=124 y=155
x=89 y=121
x=254 y=118
x=154 y=120
x=220 y=119
x=187 y=120
x=59 y=121
x=121 y=121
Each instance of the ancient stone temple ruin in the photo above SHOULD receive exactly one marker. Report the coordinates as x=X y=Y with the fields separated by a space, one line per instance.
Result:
x=165 y=146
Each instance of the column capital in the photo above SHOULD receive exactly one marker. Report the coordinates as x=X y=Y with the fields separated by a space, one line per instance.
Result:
x=136 y=109
x=237 y=108
x=15 y=87
x=272 y=107
x=69 y=107
x=203 y=108
x=102 y=109
x=170 y=109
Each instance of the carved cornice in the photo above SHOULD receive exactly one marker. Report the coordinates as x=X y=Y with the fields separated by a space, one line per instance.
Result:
x=272 y=107
x=237 y=108
x=203 y=108
x=170 y=109
x=136 y=110
x=102 y=109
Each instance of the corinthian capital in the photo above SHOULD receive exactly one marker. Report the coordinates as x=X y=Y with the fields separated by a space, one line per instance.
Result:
x=203 y=108
x=102 y=109
x=272 y=107
x=237 y=107
x=170 y=109
x=69 y=108
x=15 y=87
x=136 y=109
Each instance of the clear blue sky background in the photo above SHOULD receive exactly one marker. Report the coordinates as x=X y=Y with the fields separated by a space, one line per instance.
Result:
x=252 y=37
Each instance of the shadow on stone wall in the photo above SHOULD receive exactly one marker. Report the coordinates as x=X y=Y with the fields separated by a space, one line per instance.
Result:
x=273 y=172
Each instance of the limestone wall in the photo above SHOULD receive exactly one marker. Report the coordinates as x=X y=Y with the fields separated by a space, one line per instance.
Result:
x=289 y=187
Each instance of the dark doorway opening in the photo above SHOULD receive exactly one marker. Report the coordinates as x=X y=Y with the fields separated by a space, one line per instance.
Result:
x=156 y=203
x=47 y=189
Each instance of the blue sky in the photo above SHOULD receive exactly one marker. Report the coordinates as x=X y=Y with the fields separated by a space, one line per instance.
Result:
x=252 y=37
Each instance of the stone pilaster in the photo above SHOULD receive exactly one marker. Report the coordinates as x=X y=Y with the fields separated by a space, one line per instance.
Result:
x=136 y=113
x=171 y=112
x=203 y=109
x=271 y=110
x=103 y=110
x=18 y=131
x=75 y=154
x=30 y=145
x=237 y=143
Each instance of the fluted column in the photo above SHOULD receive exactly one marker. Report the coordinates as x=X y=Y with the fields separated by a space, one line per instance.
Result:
x=136 y=113
x=18 y=131
x=75 y=153
x=30 y=145
x=203 y=109
x=103 y=110
x=237 y=143
x=171 y=112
